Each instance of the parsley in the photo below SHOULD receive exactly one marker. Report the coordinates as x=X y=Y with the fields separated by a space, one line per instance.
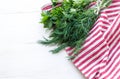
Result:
x=70 y=23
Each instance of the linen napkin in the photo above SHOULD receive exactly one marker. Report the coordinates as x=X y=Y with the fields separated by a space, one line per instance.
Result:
x=99 y=57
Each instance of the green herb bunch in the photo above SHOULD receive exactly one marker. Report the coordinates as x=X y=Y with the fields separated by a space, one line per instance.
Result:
x=70 y=23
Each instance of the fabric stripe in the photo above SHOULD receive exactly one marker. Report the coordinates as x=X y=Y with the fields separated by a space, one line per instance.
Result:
x=99 y=57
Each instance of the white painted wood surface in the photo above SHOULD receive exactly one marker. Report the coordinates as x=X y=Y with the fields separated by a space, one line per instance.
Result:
x=20 y=56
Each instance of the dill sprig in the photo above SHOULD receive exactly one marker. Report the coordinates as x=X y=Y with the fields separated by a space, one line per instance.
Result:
x=70 y=23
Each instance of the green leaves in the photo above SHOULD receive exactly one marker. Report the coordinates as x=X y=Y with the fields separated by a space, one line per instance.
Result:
x=54 y=2
x=69 y=24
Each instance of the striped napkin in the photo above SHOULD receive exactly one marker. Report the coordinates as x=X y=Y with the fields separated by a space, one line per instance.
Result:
x=99 y=57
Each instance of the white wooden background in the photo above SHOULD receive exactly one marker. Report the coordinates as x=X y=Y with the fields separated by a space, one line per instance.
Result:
x=20 y=56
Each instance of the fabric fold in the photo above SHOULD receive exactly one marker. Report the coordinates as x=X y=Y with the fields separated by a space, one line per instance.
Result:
x=99 y=57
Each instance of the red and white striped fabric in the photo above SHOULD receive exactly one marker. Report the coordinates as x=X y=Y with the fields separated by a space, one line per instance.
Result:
x=99 y=57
